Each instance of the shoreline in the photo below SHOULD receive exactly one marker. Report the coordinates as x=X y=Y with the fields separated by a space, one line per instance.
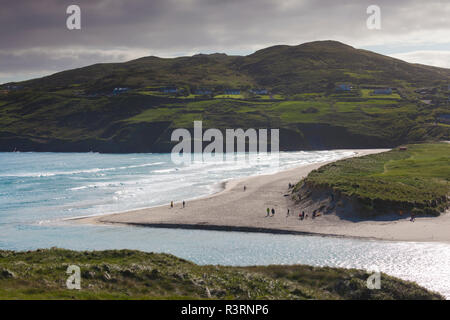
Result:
x=234 y=210
x=223 y=186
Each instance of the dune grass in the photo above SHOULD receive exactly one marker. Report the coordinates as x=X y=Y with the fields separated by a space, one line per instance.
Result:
x=129 y=274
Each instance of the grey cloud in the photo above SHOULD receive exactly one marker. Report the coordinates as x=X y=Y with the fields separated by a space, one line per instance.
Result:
x=432 y=58
x=50 y=58
x=174 y=27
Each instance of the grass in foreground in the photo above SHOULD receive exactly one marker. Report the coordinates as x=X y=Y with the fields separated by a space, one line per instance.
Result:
x=128 y=274
x=413 y=180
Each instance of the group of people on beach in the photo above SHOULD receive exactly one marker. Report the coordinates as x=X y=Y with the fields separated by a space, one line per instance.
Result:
x=270 y=211
x=183 y=203
x=304 y=215
x=301 y=216
x=245 y=188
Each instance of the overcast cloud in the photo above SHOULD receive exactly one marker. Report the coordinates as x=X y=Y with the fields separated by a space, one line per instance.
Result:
x=36 y=42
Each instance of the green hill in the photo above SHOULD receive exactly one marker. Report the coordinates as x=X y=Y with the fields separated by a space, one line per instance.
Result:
x=129 y=274
x=76 y=110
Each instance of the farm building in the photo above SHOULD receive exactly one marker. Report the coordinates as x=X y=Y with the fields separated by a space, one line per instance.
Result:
x=443 y=118
x=12 y=88
x=259 y=91
x=119 y=90
x=169 y=90
x=203 y=92
x=343 y=87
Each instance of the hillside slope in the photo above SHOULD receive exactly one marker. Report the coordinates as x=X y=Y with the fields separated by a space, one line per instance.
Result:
x=79 y=110
x=281 y=69
x=129 y=274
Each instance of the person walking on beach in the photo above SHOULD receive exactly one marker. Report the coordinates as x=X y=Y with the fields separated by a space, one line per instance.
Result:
x=268 y=212
x=171 y=204
x=184 y=204
x=273 y=212
x=245 y=188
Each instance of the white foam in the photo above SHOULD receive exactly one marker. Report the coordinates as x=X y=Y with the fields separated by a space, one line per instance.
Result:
x=75 y=172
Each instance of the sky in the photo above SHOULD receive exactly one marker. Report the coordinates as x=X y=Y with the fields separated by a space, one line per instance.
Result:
x=35 y=40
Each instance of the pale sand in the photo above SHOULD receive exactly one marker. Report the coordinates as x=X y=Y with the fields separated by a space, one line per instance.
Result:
x=234 y=209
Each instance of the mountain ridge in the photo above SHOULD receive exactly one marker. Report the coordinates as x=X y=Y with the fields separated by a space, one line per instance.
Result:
x=310 y=55
x=293 y=88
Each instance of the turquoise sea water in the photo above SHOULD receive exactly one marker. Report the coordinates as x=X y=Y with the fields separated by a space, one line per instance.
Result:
x=38 y=190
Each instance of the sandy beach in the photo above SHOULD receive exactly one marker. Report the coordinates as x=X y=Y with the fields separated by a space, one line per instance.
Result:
x=234 y=209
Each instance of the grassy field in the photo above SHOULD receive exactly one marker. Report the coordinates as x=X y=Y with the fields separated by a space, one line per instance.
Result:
x=127 y=274
x=400 y=181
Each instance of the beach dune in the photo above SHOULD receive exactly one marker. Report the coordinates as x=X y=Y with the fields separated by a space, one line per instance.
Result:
x=236 y=209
